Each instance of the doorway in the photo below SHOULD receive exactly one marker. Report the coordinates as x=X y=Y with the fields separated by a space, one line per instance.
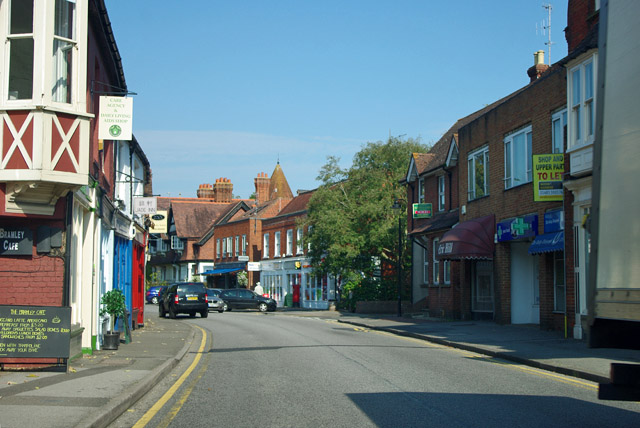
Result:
x=525 y=287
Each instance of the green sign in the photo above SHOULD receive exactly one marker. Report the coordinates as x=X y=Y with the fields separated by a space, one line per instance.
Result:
x=422 y=210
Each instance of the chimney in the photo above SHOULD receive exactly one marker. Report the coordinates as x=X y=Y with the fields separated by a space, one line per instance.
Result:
x=539 y=67
x=262 y=182
x=223 y=190
x=205 y=191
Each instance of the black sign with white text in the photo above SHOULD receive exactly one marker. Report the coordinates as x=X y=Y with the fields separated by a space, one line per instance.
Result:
x=16 y=241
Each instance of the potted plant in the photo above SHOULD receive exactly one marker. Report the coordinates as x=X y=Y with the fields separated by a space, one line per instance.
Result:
x=113 y=304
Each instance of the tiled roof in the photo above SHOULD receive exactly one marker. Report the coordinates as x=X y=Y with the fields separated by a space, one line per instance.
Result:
x=193 y=219
x=437 y=222
x=297 y=204
x=278 y=186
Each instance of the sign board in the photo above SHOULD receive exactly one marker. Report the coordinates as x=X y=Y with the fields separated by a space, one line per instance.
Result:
x=517 y=228
x=243 y=258
x=547 y=177
x=16 y=241
x=116 y=118
x=554 y=221
x=159 y=220
x=253 y=266
x=35 y=331
x=422 y=210
x=142 y=205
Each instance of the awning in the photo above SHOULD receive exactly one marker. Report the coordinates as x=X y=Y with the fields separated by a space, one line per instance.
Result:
x=221 y=271
x=471 y=239
x=547 y=243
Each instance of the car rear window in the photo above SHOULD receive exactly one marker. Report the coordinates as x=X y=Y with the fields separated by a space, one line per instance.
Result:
x=192 y=288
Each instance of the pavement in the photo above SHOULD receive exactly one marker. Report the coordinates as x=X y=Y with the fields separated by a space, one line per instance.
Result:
x=100 y=387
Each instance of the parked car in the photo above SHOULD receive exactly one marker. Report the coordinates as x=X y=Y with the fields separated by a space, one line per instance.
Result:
x=184 y=298
x=215 y=302
x=153 y=294
x=242 y=298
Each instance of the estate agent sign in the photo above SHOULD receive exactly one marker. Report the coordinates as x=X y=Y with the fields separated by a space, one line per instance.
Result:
x=547 y=177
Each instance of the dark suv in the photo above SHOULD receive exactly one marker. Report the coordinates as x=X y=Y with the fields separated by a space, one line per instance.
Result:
x=242 y=298
x=184 y=298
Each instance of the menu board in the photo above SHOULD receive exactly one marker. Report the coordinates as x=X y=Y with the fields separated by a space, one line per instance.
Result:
x=35 y=331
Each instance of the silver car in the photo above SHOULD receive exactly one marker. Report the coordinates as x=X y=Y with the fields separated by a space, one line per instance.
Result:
x=215 y=303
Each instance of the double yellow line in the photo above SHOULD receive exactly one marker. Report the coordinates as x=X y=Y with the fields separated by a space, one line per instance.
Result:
x=151 y=413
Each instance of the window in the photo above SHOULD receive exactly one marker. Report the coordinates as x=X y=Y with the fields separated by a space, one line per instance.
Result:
x=581 y=100
x=517 y=158
x=20 y=41
x=244 y=245
x=299 y=241
x=309 y=229
x=446 y=266
x=425 y=266
x=290 y=242
x=421 y=191
x=441 y=199
x=63 y=48
x=478 y=179
x=436 y=263
x=229 y=247
x=558 y=131
x=276 y=245
x=559 y=303
x=217 y=248
x=237 y=245
x=224 y=247
x=265 y=246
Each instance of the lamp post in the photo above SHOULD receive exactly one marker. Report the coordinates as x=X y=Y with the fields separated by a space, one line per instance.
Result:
x=396 y=206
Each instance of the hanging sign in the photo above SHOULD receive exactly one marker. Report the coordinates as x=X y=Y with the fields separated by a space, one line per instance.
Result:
x=159 y=220
x=116 y=118
x=547 y=177
x=143 y=205
x=422 y=210
x=16 y=241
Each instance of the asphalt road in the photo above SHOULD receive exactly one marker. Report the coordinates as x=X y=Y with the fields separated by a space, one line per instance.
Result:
x=276 y=370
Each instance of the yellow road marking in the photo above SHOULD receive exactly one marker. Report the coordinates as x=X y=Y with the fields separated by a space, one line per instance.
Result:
x=144 y=420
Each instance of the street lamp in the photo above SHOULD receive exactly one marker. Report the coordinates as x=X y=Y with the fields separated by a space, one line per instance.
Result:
x=397 y=206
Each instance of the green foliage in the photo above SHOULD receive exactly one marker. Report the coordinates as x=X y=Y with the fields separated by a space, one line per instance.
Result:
x=113 y=303
x=242 y=278
x=153 y=279
x=353 y=225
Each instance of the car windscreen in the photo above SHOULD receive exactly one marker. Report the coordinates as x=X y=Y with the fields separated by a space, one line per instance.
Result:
x=212 y=292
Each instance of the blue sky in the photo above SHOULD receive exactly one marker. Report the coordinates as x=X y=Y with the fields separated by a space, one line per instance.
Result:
x=228 y=88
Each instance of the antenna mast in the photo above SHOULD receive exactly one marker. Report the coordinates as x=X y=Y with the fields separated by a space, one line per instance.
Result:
x=548 y=27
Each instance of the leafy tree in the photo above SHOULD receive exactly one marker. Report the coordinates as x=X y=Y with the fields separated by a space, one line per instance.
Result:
x=354 y=229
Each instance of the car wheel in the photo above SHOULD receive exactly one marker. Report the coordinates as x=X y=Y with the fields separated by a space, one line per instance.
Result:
x=172 y=313
x=204 y=314
x=262 y=307
x=161 y=312
x=226 y=308
x=154 y=300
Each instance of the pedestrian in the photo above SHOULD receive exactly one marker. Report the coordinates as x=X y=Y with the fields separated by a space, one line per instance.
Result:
x=258 y=290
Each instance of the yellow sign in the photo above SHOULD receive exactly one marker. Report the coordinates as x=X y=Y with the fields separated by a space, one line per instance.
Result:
x=547 y=177
x=159 y=220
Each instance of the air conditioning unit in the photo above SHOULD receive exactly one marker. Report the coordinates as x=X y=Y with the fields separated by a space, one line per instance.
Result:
x=176 y=243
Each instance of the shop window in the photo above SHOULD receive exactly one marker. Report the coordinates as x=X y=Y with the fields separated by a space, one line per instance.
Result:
x=436 y=263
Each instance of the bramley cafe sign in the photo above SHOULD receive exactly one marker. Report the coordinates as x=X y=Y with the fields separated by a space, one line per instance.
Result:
x=16 y=241
x=116 y=118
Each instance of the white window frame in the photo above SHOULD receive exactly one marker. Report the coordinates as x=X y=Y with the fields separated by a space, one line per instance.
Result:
x=558 y=131
x=441 y=193
x=229 y=247
x=64 y=54
x=483 y=155
x=276 y=244
x=436 y=262
x=425 y=265
x=299 y=249
x=289 y=242
x=421 y=197
x=581 y=102
x=244 y=245
x=265 y=246
x=224 y=247
x=518 y=157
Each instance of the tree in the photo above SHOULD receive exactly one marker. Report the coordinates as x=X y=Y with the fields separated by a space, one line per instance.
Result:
x=354 y=229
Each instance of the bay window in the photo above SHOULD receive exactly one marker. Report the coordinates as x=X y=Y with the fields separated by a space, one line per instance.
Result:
x=63 y=50
x=581 y=97
x=20 y=41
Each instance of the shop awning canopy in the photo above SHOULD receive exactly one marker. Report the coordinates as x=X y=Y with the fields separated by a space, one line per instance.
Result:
x=220 y=271
x=471 y=239
x=547 y=243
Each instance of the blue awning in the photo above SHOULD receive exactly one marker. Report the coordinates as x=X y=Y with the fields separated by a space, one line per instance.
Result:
x=547 y=243
x=221 y=271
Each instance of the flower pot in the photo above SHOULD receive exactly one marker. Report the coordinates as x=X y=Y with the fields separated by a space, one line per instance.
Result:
x=111 y=340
